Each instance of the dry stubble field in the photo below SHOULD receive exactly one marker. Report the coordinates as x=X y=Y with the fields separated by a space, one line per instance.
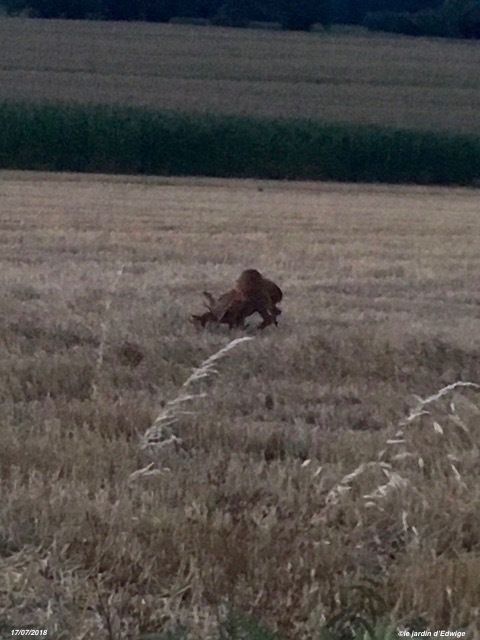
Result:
x=422 y=83
x=381 y=302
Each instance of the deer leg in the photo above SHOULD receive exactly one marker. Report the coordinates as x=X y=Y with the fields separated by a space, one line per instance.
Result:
x=267 y=317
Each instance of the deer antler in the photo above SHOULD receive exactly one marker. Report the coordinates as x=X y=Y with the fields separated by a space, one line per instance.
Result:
x=211 y=302
x=210 y=299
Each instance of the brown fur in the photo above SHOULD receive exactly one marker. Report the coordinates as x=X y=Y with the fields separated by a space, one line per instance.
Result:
x=252 y=293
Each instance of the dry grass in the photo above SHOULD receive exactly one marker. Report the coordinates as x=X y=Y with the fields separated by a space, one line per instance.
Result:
x=292 y=481
x=387 y=80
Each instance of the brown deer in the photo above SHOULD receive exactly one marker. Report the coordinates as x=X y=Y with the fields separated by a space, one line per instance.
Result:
x=252 y=294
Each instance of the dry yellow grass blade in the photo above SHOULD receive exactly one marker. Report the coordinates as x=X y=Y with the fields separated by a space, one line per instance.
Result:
x=160 y=434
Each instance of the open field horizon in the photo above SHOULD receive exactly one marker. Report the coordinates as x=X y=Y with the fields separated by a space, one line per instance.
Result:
x=401 y=82
x=292 y=467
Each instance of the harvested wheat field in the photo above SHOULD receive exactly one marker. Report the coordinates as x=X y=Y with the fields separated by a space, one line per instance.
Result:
x=362 y=78
x=307 y=467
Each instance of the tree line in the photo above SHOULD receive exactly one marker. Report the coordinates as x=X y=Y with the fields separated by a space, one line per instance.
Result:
x=456 y=18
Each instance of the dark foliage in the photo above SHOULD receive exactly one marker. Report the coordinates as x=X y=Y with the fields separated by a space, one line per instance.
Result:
x=448 y=18
x=394 y=22
x=120 y=140
x=454 y=18
x=292 y=14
